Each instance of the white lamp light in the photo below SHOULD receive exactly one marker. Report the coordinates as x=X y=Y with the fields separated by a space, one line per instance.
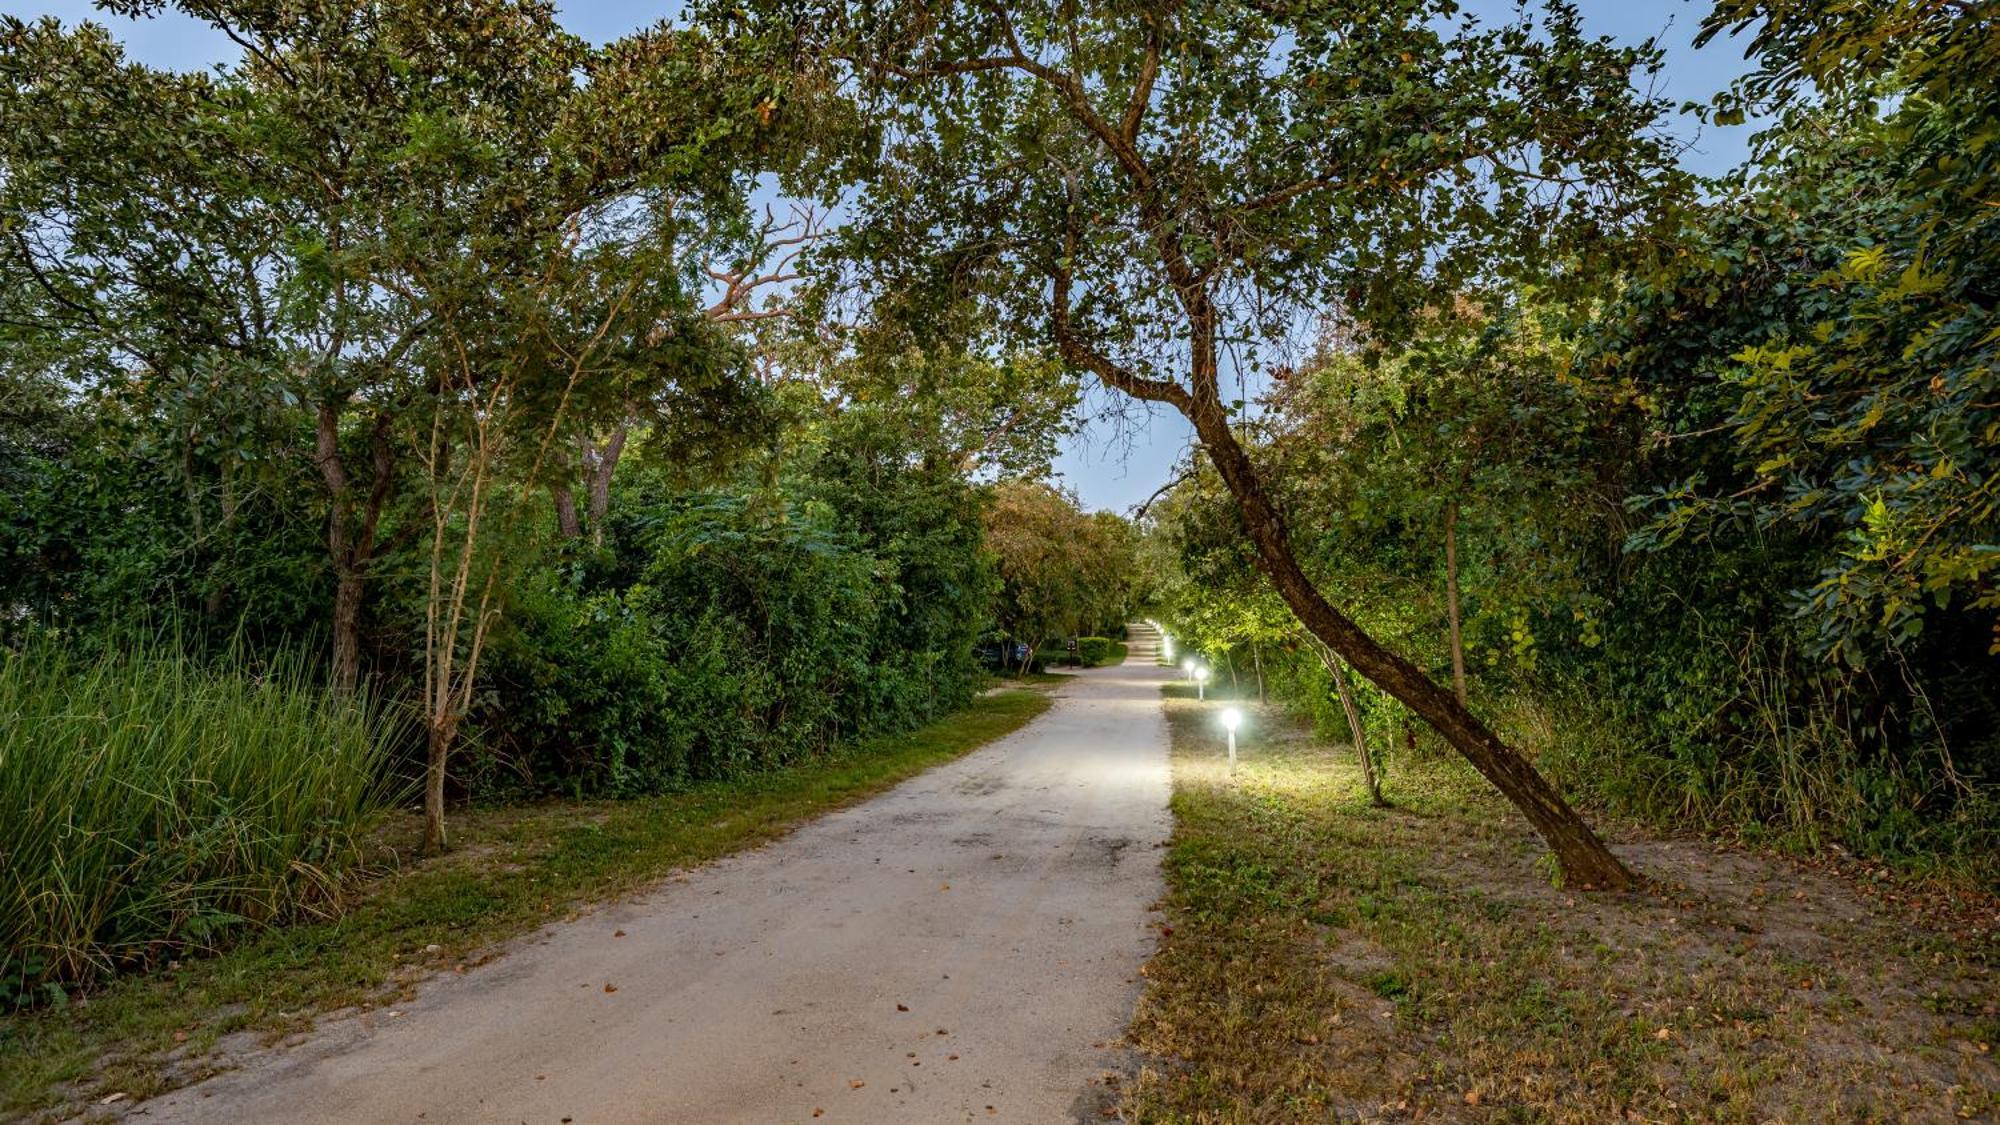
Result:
x=1231 y=719
x=1201 y=683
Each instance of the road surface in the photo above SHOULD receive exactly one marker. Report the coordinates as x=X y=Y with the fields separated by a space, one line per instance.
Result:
x=964 y=947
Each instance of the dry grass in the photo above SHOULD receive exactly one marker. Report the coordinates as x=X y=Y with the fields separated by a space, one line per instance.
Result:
x=1329 y=960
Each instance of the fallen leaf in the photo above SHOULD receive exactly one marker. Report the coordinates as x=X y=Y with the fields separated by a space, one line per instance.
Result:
x=1664 y=1034
x=618 y=933
x=109 y=1098
x=609 y=987
x=951 y=1058
x=902 y=1007
x=817 y=1112
x=855 y=1084
x=1472 y=1097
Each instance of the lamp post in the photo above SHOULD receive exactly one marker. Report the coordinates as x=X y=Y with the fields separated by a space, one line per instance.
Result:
x=1231 y=719
x=1201 y=683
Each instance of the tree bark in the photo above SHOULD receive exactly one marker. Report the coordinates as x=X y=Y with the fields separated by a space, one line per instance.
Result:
x=602 y=463
x=439 y=749
x=567 y=524
x=1451 y=600
x=350 y=543
x=346 y=658
x=1582 y=856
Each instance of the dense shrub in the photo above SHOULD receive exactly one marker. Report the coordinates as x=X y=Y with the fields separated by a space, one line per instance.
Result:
x=718 y=636
x=149 y=803
x=1095 y=651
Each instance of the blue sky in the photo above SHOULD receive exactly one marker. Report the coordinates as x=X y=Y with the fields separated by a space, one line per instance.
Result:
x=1109 y=466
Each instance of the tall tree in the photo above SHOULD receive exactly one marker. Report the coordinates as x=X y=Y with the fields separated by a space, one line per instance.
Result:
x=1164 y=193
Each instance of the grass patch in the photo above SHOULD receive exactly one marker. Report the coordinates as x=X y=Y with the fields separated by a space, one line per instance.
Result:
x=512 y=870
x=151 y=803
x=1329 y=960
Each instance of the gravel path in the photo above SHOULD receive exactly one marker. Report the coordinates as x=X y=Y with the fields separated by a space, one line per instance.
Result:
x=963 y=947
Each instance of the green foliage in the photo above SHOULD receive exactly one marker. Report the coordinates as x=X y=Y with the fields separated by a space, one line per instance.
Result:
x=150 y=804
x=719 y=636
x=1093 y=652
x=1062 y=571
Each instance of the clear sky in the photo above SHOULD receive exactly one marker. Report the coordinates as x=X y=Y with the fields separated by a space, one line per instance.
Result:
x=1108 y=465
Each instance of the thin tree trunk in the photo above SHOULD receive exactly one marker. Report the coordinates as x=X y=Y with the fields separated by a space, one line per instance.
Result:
x=346 y=659
x=1257 y=657
x=1355 y=730
x=1582 y=856
x=439 y=750
x=567 y=524
x=1451 y=600
x=603 y=463
x=346 y=670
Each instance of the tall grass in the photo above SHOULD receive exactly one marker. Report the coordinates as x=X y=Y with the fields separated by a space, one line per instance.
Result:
x=149 y=803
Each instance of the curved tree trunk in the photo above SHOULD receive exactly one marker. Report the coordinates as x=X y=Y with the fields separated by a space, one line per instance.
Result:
x=1582 y=856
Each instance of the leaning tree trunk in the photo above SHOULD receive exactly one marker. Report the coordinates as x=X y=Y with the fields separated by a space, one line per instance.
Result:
x=1451 y=601
x=1582 y=856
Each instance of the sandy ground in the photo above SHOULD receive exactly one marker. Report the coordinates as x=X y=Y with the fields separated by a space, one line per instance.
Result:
x=964 y=947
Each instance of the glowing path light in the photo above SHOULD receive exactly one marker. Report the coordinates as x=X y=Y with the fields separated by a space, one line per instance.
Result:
x=1201 y=683
x=1231 y=719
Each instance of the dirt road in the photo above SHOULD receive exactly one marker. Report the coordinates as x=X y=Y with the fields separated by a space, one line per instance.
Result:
x=964 y=947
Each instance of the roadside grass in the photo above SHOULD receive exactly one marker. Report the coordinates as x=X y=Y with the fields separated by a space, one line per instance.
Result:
x=512 y=870
x=1007 y=680
x=1328 y=960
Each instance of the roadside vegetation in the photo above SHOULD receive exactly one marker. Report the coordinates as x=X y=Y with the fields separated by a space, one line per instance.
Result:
x=1325 y=958
x=485 y=436
x=329 y=489
x=515 y=867
x=1712 y=544
x=148 y=801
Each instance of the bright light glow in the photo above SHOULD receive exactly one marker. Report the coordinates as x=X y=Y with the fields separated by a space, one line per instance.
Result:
x=1231 y=719
x=1201 y=673
x=1188 y=666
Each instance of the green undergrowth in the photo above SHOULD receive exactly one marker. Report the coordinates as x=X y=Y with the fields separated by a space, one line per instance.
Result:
x=1327 y=960
x=511 y=869
x=151 y=803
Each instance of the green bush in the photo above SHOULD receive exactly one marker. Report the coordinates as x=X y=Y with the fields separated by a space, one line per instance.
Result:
x=722 y=638
x=149 y=803
x=1096 y=651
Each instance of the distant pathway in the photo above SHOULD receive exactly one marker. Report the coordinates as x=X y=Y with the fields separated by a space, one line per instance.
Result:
x=970 y=939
